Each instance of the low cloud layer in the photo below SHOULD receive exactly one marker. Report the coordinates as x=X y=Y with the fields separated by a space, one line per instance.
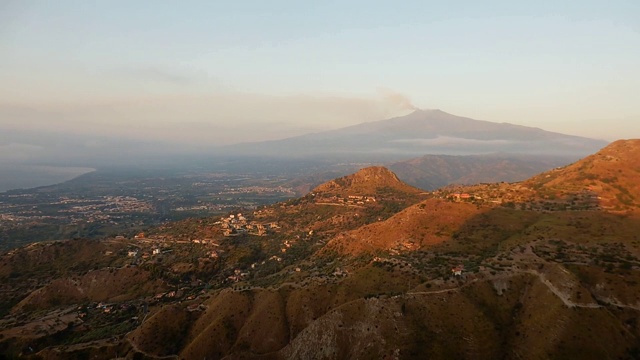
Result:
x=176 y=124
x=447 y=141
x=203 y=120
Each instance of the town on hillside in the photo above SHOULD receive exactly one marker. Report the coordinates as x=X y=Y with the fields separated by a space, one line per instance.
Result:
x=522 y=197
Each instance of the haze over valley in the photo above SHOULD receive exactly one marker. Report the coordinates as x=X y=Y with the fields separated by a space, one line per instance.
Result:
x=330 y=180
x=418 y=133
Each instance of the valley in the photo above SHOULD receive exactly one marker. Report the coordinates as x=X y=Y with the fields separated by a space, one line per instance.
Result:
x=328 y=180
x=110 y=203
x=124 y=201
x=362 y=266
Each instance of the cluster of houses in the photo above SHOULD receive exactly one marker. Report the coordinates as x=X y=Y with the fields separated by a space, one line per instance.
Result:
x=360 y=200
x=463 y=196
x=285 y=245
x=167 y=295
x=457 y=271
x=350 y=200
x=522 y=197
x=340 y=272
x=149 y=247
x=238 y=224
x=102 y=209
x=238 y=275
x=145 y=255
x=486 y=193
x=109 y=308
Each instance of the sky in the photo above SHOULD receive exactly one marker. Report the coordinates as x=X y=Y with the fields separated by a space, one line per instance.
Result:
x=219 y=72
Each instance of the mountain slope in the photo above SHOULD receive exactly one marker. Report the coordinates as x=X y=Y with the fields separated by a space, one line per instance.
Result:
x=487 y=271
x=612 y=174
x=367 y=181
x=424 y=132
x=608 y=180
x=431 y=172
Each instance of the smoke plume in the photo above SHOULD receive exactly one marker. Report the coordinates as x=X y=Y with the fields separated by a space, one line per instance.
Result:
x=397 y=99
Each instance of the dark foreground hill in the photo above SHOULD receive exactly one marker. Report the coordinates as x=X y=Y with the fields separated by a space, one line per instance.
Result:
x=546 y=268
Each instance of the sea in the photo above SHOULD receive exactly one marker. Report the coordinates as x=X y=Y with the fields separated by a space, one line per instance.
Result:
x=29 y=176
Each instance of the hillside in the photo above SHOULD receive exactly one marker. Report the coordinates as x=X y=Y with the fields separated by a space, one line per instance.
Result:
x=423 y=132
x=606 y=181
x=367 y=181
x=612 y=175
x=431 y=172
x=364 y=266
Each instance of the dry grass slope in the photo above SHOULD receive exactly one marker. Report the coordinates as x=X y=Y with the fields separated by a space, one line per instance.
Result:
x=367 y=181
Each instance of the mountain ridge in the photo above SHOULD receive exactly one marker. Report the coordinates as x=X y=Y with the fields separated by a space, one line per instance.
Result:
x=608 y=180
x=612 y=174
x=430 y=172
x=424 y=132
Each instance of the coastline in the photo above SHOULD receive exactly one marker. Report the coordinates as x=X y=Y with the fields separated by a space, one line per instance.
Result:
x=19 y=177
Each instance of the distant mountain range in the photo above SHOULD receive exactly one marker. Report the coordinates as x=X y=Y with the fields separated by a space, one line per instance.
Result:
x=431 y=172
x=424 y=132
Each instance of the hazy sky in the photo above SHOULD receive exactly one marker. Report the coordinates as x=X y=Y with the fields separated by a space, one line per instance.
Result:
x=230 y=71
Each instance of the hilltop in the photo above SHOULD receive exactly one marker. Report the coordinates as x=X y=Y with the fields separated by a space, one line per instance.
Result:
x=606 y=181
x=364 y=266
x=367 y=181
